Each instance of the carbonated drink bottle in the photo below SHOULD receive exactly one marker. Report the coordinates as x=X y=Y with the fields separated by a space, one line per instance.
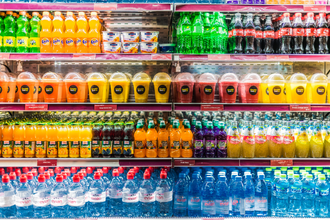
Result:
x=9 y=34
x=207 y=35
x=258 y=41
x=310 y=33
x=322 y=33
x=298 y=33
x=249 y=35
x=197 y=34
x=22 y=33
x=97 y=139
x=238 y=34
x=185 y=33
x=35 y=33
x=223 y=34
x=178 y=27
x=286 y=33
x=268 y=36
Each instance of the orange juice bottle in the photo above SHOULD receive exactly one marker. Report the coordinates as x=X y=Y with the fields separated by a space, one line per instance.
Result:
x=41 y=140
x=30 y=140
x=74 y=143
x=140 y=141
x=52 y=141
x=187 y=138
x=70 y=34
x=7 y=140
x=85 y=137
x=94 y=36
x=18 y=136
x=63 y=138
x=82 y=32
x=57 y=35
x=162 y=140
x=175 y=140
x=152 y=137
x=46 y=33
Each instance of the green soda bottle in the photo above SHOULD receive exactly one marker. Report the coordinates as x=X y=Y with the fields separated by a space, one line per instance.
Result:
x=197 y=34
x=215 y=33
x=223 y=33
x=1 y=31
x=231 y=39
x=9 y=35
x=207 y=33
x=34 y=40
x=22 y=34
x=186 y=34
x=178 y=35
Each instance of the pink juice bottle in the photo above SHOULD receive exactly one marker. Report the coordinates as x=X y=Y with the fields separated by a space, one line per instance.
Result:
x=228 y=87
x=207 y=82
x=185 y=87
x=248 y=88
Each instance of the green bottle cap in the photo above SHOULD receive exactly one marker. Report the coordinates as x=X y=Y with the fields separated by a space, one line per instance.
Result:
x=139 y=125
x=209 y=125
x=198 y=125
x=162 y=124
x=176 y=124
x=151 y=124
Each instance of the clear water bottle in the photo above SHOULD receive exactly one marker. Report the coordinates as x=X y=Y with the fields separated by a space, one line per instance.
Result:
x=295 y=197
x=30 y=181
x=7 y=198
x=13 y=181
x=23 y=202
x=115 y=193
x=76 y=199
x=222 y=197
x=97 y=197
x=131 y=197
x=237 y=192
x=181 y=196
x=308 y=193
x=273 y=196
x=282 y=196
x=164 y=197
x=249 y=196
x=208 y=197
x=59 y=199
x=195 y=196
x=41 y=199
x=261 y=198
x=49 y=183
x=147 y=196
x=322 y=197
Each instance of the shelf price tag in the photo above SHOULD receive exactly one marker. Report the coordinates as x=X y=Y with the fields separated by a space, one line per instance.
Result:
x=211 y=107
x=277 y=57
x=300 y=108
x=214 y=57
x=315 y=8
x=46 y=163
x=279 y=163
x=184 y=162
x=105 y=6
x=36 y=107
x=105 y=107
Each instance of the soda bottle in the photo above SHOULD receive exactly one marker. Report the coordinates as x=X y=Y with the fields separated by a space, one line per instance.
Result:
x=97 y=138
x=310 y=34
x=46 y=33
x=238 y=34
x=276 y=35
x=223 y=34
x=57 y=34
x=298 y=33
x=322 y=33
x=129 y=140
x=187 y=138
x=231 y=43
x=249 y=35
x=70 y=34
x=9 y=33
x=286 y=34
x=197 y=34
x=81 y=34
x=207 y=46
x=94 y=36
x=34 y=40
x=22 y=34
x=268 y=36
x=185 y=32
x=258 y=41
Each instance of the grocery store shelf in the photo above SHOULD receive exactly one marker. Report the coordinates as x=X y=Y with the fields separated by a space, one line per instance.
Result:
x=84 y=57
x=85 y=7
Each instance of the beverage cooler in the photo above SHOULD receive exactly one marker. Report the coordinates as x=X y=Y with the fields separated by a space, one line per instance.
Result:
x=149 y=109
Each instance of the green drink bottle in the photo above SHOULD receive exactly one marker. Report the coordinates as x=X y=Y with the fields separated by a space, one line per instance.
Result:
x=22 y=34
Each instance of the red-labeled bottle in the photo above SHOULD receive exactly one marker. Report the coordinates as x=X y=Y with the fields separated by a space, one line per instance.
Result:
x=268 y=36
x=322 y=33
x=258 y=41
x=285 y=34
x=298 y=33
x=238 y=34
x=249 y=35
x=310 y=33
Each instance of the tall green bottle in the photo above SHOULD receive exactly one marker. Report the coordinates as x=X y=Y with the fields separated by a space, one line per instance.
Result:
x=186 y=34
x=2 y=26
x=22 y=34
x=223 y=33
x=9 y=34
x=35 y=33
x=197 y=34
x=207 y=33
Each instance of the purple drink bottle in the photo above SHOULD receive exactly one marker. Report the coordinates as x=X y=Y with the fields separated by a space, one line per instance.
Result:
x=198 y=141
x=222 y=141
x=209 y=141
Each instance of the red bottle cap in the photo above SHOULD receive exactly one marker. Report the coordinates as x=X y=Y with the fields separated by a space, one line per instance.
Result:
x=146 y=176
x=23 y=178
x=130 y=176
x=41 y=170
x=41 y=178
x=81 y=176
x=59 y=178
x=29 y=176
x=73 y=170
x=89 y=170
x=115 y=172
x=12 y=176
x=5 y=178
x=25 y=169
x=105 y=170
x=76 y=178
x=163 y=175
x=97 y=176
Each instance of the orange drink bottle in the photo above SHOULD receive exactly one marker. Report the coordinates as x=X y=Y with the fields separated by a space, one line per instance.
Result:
x=63 y=138
x=85 y=137
x=46 y=33
x=140 y=141
x=52 y=87
x=11 y=92
x=74 y=143
x=81 y=34
x=30 y=140
x=57 y=35
x=70 y=34
x=175 y=140
x=4 y=82
x=41 y=140
x=76 y=87
x=7 y=140
x=27 y=86
x=18 y=136
x=152 y=137
x=187 y=138
x=52 y=141
x=94 y=36
x=162 y=140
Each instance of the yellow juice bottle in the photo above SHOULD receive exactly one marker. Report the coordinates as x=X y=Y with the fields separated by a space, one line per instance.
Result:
x=275 y=141
x=18 y=136
x=289 y=144
x=264 y=91
x=319 y=84
x=187 y=139
x=52 y=141
x=94 y=36
x=151 y=137
x=298 y=84
x=85 y=137
x=302 y=143
x=46 y=45
x=57 y=35
x=248 y=141
x=175 y=140
x=63 y=138
x=316 y=142
x=233 y=141
x=262 y=150
x=70 y=34
x=30 y=140
x=74 y=143
x=163 y=140
x=140 y=141
x=327 y=142
x=41 y=140
x=82 y=33
x=7 y=140
x=276 y=88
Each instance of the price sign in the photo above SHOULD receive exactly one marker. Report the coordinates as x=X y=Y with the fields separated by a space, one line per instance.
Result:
x=279 y=163
x=105 y=107
x=47 y=163
x=184 y=162
x=36 y=107
x=211 y=107
x=300 y=108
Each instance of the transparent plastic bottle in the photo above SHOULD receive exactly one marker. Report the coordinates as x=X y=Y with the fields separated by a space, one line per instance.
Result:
x=76 y=199
x=131 y=206
x=222 y=197
x=249 y=196
x=115 y=192
x=180 y=205
x=164 y=197
x=261 y=198
x=41 y=199
x=322 y=197
x=59 y=199
x=295 y=197
x=282 y=196
x=24 y=199
x=194 y=197
x=147 y=196
x=308 y=197
x=7 y=198
x=237 y=201
x=97 y=199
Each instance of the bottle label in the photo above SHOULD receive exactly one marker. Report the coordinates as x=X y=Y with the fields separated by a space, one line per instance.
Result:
x=59 y=201
x=70 y=42
x=186 y=30
x=194 y=203
x=81 y=42
x=106 y=148
x=230 y=34
x=97 y=197
x=18 y=147
x=209 y=207
x=40 y=201
x=186 y=145
x=175 y=145
x=23 y=201
x=249 y=139
x=276 y=139
x=223 y=206
x=249 y=32
x=41 y=148
x=238 y=32
x=321 y=192
x=222 y=144
x=57 y=41
x=260 y=139
x=9 y=41
x=147 y=197
x=269 y=34
x=308 y=190
x=151 y=144
x=117 y=148
x=63 y=147
x=115 y=194
x=209 y=144
x=233 y=139
x=94 y=42
x=259 y=34
x=238 y=205
x=128 y=147
x=294 y=189
x=7 y=147
x=96 y=147
x=198 y=144
x=287 y=139
x=29 y=147
x=249 y=203
x=285 y=32
x=74 y=200
x=52 y=148
x=34 y=42
x=322 y=32
x=22 y=41
x=164 y=196
x=74 y=148
x=85 y=149
x=310 y=32
x=180 y=202
x=261 y=204
x=6 y=201
x=162 y=145
x=45 y=41
x=298 y=32
x=130 y=197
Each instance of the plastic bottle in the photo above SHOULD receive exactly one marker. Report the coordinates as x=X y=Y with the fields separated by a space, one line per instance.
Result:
x=316 y=142
x=322 y=33
x=180 y=205
x=22 y=34
x=58 y=33
x=81 y=34
x=295 y=197
x=221 y=138
x=207 y=33
x=94 y=36
x=46 y=22
x=130 y=198
x=13 y=181
x=76 y=199
x=233 y=141
x=310 y=34
x=7 y=192
x=302 y=142
x=261 y=197
x=185 y=34
x=9 y=33
x=34 y=40
x=208 y=198
x=249 y=196
x=59 y=199
x=70 y=34
x=140 y=141
x=275 y=142
x=322 y=197
x=199 y=148
x=237 y=34
x=237 y=201
x=151 y=137
x=164 y=197
x=222 y=197
x=24 y=199
x=248 y=141
x=286 y=33
x=194 y=197
x=249 y=35
x=187 y=139
x=298 y=33
x=41 y=199
x=268 y=35
x=107 y=139
x=97 y=199
x=308 y=197
x=197 y=34
x=147 y=196
x=115 y=192
x=163 y=138
x=209 y=141
x=175 y=140
x=282 y=196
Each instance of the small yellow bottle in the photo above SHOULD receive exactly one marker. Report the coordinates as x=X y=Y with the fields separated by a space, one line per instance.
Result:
x=187 y=139
x=140 y=141
x=175 y=140
x=152 y=136
x=163 y=140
